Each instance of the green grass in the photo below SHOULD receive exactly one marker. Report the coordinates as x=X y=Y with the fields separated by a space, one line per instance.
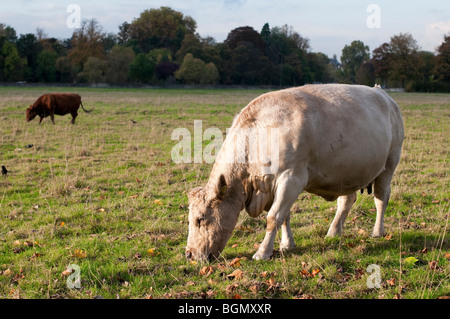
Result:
x=107 y=187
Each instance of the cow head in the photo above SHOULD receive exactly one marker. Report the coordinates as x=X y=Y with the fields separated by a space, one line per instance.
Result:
x=213 y=214
x=30 y=114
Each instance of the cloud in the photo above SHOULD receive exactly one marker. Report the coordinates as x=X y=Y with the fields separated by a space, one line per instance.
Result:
x=435 y=33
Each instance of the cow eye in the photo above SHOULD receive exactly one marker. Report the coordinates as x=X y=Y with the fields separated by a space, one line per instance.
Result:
x=200 y=220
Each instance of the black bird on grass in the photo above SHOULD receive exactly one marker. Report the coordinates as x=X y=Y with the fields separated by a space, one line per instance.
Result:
x=4 y=170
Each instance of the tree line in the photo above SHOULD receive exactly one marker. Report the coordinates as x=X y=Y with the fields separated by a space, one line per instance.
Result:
x=161 y=46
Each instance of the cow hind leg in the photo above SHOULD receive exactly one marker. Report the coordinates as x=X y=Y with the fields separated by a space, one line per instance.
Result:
x=287 y=191
x=344 y=204
x=74 y=115
x=382 y=192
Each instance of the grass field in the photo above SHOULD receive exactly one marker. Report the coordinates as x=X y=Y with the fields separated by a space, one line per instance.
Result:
x=104 y=195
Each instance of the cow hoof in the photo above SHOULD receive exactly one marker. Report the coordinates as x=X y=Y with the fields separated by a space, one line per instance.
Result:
x=377 y=233
x=333 y=233
x=261 y=256
x=286 y=247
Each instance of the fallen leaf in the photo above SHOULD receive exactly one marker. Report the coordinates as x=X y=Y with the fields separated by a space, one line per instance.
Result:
x=231 y=288
x=62 y=224
x=433 y=265
x=361 y=232
x=304 y=273
x=7 y=272
x=411 y=260
x=447 y=255
x=388 y=237
x=152 y=252
x=158 y=202
x=133 y=196
x=315 y=272
x=66 y=272
x=18 y=250
x=391 y=282
x=235 y=262
x=28 y=243
x=234 y=246
x=35 y=255
x=272 y=281
x=253 y=288
x=102 y=210
x=236 y=296
x=206 y=271
x=79 y=254
x=236 y=274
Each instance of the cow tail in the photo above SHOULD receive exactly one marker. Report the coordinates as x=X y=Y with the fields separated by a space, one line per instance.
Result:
x=87 y=111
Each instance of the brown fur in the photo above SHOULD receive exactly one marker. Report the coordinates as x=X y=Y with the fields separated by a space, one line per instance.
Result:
x=55 y=103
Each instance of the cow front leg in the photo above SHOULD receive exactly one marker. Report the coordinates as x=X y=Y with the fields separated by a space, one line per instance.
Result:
x=287 y=239
x=40 y=120
x=344 y=204
x=52 y=116
x=287 y=190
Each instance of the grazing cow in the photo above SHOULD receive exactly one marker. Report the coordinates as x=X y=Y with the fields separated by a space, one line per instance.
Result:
x=56 y=103
x=333 y=140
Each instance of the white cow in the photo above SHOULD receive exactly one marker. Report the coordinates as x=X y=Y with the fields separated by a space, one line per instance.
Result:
x=330 y=140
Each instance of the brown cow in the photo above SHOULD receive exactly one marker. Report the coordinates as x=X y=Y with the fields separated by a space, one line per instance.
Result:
x=55 y=103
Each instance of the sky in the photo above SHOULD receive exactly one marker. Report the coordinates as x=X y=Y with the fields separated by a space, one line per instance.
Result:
x=329 y=25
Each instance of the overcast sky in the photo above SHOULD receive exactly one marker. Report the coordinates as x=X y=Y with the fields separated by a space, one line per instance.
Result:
x=329 y=25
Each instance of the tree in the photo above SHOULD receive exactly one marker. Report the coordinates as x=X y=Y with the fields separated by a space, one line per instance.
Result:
x=87 y=41
x=161 y=28
x=8 y=33
x=381 y=61
x=29 y=47
x=12 y=65
x=142 y=68
x=94 y=70
x=353 y=56
x=442 y=69
x=210 y=74
x=65 y=71
x=124 y=37
x=191 y=44
x=403 y=53
x=245 y=34
x=319 y=68
x=195 y=71
x=366 y=74
x=46 y=66
x=119 y=61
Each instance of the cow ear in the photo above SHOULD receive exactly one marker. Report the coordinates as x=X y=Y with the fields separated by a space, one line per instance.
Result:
x=221 y=187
